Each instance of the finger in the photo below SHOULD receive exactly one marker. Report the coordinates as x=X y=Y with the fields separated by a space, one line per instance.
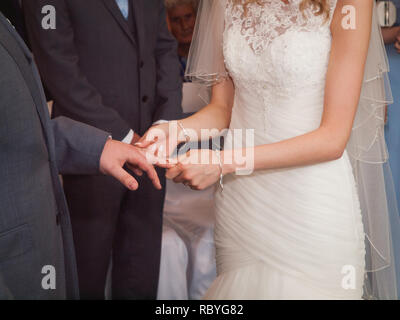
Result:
x=124 y=177
x=146 y=143
x=184 y=158
x=138 y=172
x=161 y=162
x=173 y=160
x=151 y=154
x=183 y=178
x=179 y=179
x=164 y=165
x=197 y=181
x=174 y=172
x=162 y=151
x=205 y=184
x=135 y=170
x=153 y=176
x=150 y=157
x=143 y=165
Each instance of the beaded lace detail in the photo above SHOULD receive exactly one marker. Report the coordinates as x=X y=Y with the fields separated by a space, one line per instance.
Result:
x=264 y=20
x=274 y=51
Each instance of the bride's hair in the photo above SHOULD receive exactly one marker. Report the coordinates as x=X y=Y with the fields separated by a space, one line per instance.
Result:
x=321 y=6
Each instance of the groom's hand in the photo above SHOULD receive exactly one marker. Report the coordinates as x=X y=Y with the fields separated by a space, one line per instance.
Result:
x=116 y=154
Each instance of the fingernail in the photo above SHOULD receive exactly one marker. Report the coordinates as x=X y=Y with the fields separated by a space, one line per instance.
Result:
x=138 y=144
x=133 y=186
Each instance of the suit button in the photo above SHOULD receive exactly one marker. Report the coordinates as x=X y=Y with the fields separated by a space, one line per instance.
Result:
x=141 y=64
x=145 y=98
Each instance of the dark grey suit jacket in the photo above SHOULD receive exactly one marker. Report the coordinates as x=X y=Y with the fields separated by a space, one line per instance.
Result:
x=35 y=228
x=102 y=74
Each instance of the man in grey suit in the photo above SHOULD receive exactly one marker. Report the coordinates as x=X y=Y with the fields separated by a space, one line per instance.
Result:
x=111 y=64
x=36 y=248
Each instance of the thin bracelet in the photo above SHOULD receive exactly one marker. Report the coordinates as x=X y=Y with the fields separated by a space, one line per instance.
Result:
x=221 y=176
x=185 y=133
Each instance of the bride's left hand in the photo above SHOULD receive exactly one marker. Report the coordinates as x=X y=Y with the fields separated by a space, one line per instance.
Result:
x=198 y=169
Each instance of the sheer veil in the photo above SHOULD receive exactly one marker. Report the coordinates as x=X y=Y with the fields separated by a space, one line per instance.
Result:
x=369 y=156
x=366 y=147
x=206 y=59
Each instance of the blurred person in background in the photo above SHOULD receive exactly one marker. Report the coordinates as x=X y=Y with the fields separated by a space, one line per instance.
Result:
x=188 y=254
x=181 y=21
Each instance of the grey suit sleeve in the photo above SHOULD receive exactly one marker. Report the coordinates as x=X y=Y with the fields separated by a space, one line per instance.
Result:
x=78 y=146
x=169 y=81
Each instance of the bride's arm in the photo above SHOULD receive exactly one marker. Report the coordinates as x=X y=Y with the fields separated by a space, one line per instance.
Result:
x=216 y=115
x=342 y=92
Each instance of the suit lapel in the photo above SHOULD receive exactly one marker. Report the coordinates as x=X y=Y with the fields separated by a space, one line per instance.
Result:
x=113 y=8
x=139 y=15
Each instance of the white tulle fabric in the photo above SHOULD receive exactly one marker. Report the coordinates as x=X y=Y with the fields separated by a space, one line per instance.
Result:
x=292 y=233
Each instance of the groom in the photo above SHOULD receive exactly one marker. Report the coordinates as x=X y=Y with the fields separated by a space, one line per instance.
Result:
x=37 y=258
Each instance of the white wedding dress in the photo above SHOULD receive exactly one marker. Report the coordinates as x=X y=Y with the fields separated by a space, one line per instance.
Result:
x=292 y=233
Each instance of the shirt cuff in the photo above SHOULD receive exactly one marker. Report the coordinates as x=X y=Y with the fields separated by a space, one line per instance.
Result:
x=129 y=137
x=160 y=122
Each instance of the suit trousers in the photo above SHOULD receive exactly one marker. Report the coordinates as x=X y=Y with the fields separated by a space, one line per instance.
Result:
x=111 y=221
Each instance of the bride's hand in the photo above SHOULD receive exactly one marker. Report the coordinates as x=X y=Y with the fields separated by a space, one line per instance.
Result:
x=198 y=169
x=155 y=139
x=161 y=140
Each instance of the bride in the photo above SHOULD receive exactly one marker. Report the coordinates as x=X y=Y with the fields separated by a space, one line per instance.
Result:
x=308 y=76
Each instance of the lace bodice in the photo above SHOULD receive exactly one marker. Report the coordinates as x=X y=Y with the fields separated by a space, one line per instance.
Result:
x=265 y=20
x=276 y=53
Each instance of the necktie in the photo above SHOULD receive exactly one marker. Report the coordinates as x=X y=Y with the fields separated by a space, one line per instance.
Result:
x=124 y=7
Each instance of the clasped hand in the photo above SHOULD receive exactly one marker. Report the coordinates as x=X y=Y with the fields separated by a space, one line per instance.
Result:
x=197 y=169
